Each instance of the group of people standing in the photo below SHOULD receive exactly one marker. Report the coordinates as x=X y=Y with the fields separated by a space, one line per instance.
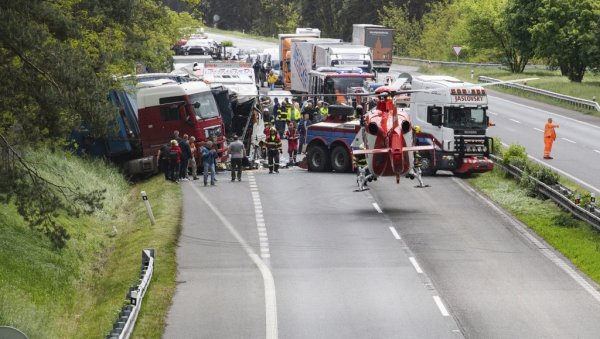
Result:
x=182 y=154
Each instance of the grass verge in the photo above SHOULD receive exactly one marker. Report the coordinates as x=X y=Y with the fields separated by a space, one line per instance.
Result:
x=77 y=292
x=548 y=80
x=575 y=239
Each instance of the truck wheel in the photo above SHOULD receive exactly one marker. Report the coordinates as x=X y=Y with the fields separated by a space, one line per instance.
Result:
x=318 y=159
x=186 y=53
x=340 y=159
x=427 y=166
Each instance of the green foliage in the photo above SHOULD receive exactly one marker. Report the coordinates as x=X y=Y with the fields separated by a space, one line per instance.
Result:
x=542 y=173
x=227 y=43
x=515 y=155
x=565 y=220
x=407 y=30
x=567 y=32
x=497 y=148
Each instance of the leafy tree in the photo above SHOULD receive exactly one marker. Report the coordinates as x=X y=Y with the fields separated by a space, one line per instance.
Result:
x=498 y=30
x=407 y=30
x=57 y=62
x=567 y=31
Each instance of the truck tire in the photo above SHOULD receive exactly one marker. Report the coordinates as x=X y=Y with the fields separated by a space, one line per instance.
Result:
x=427 y=166
x=340 y=159
x=186 y=53
x=318 y=159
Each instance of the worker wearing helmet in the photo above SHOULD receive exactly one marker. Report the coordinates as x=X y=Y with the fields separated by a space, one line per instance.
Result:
x=273 y=150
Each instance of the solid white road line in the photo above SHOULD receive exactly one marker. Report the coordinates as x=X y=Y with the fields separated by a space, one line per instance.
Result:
x=414 y=262
x=440 y=305
x=513 y=120
x=377 y=207
x=523 y=230
x=394 y=232
x=271 y=328
x=537 y=129
x=569 y=140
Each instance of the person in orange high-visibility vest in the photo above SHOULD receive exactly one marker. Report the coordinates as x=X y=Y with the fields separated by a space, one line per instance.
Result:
x=549 y=137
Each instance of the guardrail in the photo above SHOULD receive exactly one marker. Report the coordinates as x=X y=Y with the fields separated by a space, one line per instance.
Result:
x=125 y=324
x=578 y=102
x=447 y=63
x=558 y=193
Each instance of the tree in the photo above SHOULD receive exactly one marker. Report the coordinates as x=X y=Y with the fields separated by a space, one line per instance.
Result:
x=499 y=30
x=407 y=31
x=57 y=63
x=567 y=31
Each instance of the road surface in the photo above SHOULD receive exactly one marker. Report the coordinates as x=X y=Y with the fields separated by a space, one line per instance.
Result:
x=300 y=255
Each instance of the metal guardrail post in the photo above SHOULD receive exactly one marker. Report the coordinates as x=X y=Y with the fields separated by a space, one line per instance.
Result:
x=125 y=324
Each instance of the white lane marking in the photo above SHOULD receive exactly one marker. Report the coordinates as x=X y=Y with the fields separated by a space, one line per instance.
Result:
x=271 y=329
x=414 y=262
x=597 y=151
x=513 y=120
x=546 y=112
x=522 y=229
x=377 y=207
x=537 y=129
x=395 y=233
x=492 y=113
x=569 y=140
x=440 y=305
x=579 y=181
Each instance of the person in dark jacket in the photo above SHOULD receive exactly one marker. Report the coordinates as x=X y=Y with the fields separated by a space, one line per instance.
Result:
x=174 y=160
x=186 y=154
x=162 y=158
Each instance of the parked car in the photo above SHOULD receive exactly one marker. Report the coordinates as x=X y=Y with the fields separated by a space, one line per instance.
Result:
x=200 y=47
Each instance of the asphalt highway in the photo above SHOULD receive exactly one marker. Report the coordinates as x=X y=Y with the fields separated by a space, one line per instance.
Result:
x=301 y=255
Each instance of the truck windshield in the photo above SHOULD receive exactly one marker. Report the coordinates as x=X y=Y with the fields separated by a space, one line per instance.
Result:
x=340 y=86
x=208 y=106
x=467 y=117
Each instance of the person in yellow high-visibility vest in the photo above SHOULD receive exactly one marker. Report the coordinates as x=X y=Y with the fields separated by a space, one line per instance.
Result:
x=549 y=137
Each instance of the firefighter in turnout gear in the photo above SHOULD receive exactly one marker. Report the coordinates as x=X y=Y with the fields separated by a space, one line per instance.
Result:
x=415 y=171
x=273 y=150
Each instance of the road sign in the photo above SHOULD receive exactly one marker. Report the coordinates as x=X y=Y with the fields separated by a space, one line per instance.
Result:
x=457 y=50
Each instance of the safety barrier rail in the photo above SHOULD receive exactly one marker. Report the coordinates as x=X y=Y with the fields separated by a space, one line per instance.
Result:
x=558 y=193
x=578 y=102
x=125 y=324
x=446 y=63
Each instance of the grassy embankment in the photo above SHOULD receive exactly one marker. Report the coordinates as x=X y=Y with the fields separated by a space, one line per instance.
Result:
x=77 y=292
x=575 y=239
x=548 y=80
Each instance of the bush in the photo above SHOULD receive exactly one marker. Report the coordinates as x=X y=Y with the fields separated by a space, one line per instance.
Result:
x=515 y=155
x=496 y=145
x=227 y=43
x=564 y=220
x=542 y=173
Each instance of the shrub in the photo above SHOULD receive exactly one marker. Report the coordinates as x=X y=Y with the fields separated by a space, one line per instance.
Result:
x=515 y=155
x=542 y=173
x=227 y=43
x=497 y=148
x=564 y=220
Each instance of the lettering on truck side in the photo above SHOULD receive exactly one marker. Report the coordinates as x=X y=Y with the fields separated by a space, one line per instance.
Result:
x=300 y=67
x=456 y=99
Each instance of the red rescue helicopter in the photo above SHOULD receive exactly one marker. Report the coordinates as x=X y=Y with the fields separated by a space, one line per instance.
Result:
x=386 y=139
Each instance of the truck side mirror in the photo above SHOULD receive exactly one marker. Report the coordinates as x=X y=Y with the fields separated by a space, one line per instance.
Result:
x=197 y=104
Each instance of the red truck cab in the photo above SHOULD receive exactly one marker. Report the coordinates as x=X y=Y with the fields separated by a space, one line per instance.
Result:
x=164 y=106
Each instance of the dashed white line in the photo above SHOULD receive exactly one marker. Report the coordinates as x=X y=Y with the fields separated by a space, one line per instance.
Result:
x=492 y=113
x=597 y=151
x=440 y=305
x=414 y=262
x=537 y=129
x=394 y=232
x=377 y=207
x=513 y=120
x=569 y=140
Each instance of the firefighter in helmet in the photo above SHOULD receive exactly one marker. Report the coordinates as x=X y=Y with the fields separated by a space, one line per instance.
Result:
x=273 y=150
